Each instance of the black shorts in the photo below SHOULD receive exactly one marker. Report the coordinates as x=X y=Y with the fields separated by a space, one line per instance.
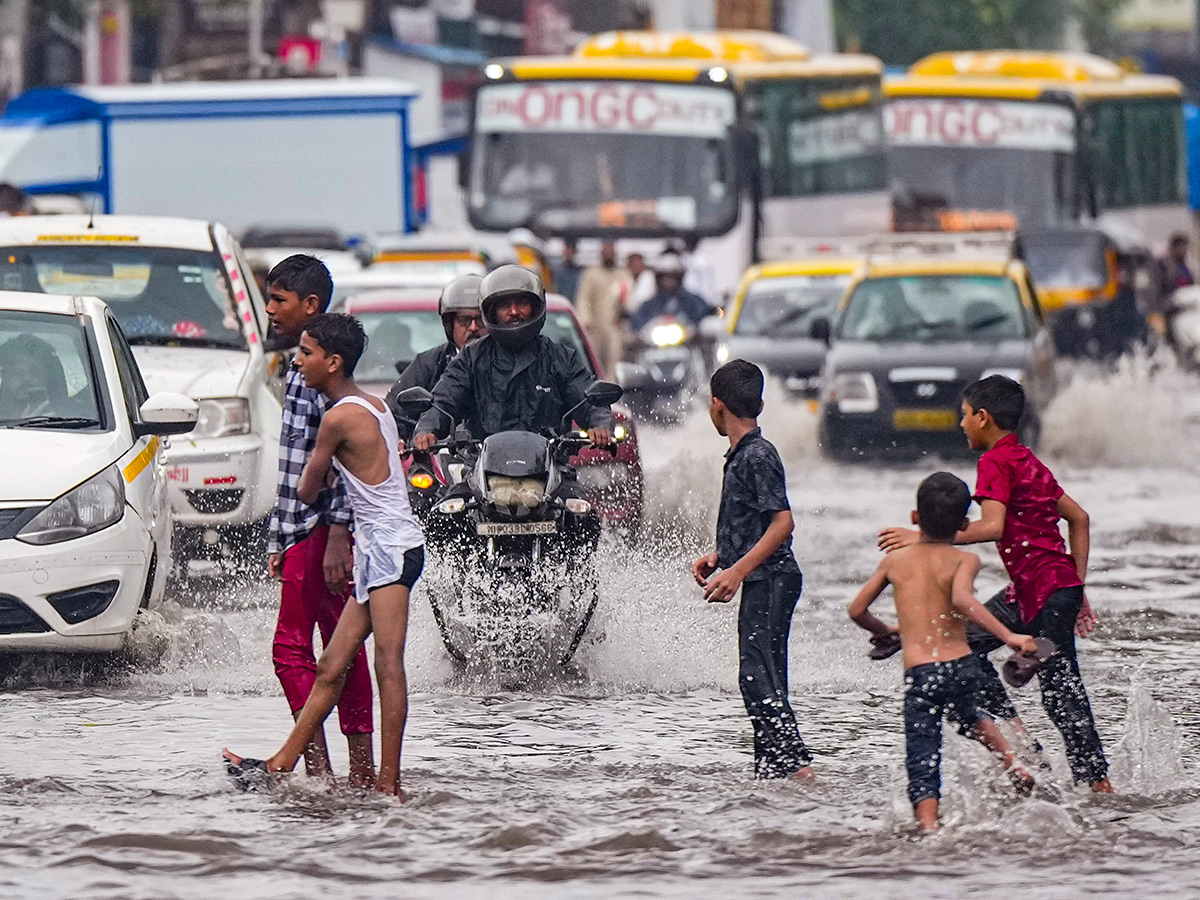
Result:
x=414 y=564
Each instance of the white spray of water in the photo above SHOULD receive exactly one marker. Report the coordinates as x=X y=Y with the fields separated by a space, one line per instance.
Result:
x=1149 y=757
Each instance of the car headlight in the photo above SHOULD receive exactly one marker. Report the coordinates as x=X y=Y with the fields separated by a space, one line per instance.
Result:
x=722 y=354
x=854 y=392
x=92 y=506
x=669 y=335
x=222 y=417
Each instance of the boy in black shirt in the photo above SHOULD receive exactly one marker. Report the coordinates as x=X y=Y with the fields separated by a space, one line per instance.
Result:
x=754 y=552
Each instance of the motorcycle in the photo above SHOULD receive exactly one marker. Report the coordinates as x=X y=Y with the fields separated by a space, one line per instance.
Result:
x=1185 y=325
x=667 y=370
x=515 y=583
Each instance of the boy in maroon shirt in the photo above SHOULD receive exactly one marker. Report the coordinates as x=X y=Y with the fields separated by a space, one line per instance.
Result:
x=1022 y=504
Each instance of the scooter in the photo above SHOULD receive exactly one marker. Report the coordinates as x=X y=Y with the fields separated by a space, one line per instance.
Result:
x=516 y=541
x=666 y=372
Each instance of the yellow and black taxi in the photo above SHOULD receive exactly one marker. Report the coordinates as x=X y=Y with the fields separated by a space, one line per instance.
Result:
x=915 y=327
x=771 y=317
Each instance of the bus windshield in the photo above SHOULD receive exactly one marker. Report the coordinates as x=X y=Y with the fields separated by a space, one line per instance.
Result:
x=644 y=159
x=969 y=164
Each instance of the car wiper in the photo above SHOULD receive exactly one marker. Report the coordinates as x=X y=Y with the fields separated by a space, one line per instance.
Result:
x=786 y=318
x=50 y=422
x=988 y=322
x=172 y=340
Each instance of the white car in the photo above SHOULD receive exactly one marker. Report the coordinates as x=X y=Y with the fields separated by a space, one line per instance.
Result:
x=85 y=538
x=184 y=296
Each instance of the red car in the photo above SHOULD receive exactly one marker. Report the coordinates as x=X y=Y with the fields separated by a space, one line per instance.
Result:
x=401 y=323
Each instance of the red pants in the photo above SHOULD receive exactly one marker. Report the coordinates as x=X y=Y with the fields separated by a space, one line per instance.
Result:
x=305 y=601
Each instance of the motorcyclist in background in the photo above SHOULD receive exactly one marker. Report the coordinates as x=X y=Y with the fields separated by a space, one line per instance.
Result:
x=672 y=299
x=461 y=318
x=517 y=379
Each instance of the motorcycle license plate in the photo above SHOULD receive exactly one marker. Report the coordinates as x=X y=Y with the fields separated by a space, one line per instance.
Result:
x=498 y=529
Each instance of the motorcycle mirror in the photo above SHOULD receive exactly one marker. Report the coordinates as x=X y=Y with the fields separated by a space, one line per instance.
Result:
x=603 y=393
x=820 y=330
x=414 y=401
x=401 y=365
x=632 y=376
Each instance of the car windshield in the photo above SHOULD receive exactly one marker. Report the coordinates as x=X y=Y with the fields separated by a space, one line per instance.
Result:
x=158 y=295
x=786 y=307
x=930 y=308
x=398 y=336
x=1065 y=261
x=47 y=379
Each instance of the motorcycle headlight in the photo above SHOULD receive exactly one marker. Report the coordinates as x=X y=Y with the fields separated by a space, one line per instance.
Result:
x=222 y=417
x=854 y=392
x=93 y=506
x=722 y=354
x=668 y=335
x=524 y=493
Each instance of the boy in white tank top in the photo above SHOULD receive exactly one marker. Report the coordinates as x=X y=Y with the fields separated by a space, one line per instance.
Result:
x=357 y=436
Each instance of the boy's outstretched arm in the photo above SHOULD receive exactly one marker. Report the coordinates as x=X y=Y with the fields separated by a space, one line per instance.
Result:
x=722 y=586
x=316 y=470
x=962 y=596
x=989 y=527
x=1079 y=540
x=866 y=596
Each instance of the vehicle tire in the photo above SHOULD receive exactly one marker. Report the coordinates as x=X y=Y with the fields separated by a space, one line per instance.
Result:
x=835 y=446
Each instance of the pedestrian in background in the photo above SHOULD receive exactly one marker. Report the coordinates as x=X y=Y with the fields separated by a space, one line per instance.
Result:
x=600 y=304
x=309 y=543
x=754 y=553
x=567 y=272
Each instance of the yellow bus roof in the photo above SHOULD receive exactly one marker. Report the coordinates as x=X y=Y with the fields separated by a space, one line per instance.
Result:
x=1024 y=75
x=682 y=56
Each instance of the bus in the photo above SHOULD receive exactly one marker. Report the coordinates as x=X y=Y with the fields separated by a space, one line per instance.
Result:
x=742 y=138
x=1009 y=139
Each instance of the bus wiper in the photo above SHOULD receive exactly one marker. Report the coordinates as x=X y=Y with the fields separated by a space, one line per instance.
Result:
x=50 y=422
x=174 y=340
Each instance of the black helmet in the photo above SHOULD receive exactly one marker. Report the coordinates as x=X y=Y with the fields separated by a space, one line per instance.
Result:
x=507 y=283
x=461 y=294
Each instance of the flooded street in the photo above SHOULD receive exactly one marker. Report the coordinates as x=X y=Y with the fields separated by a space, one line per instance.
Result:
x=631 y=775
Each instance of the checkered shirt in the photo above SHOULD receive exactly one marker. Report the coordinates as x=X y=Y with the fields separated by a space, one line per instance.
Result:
x=292 y=521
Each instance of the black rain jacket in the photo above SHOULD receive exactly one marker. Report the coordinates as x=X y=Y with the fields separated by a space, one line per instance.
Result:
x=490 y=389
x=424 y=371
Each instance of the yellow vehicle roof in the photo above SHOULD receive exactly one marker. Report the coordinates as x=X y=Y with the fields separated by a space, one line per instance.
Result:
x=1024 y=75
x=896 y=268
x=814 y=266
x=682 y=56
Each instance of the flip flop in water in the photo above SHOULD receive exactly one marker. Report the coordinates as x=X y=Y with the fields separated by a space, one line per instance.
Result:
x=884 y=645
x=248 y=774
x=1018 y=670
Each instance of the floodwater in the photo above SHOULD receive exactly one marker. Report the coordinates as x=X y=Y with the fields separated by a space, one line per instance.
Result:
x=630 y=776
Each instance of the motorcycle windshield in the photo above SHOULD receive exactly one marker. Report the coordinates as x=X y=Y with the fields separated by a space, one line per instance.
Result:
x=517 y=454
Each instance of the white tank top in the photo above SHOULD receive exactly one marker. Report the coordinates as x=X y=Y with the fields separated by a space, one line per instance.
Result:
x=382 y=515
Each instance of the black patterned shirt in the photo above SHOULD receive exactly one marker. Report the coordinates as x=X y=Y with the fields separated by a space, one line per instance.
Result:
x=293 y=521
x=753 y=491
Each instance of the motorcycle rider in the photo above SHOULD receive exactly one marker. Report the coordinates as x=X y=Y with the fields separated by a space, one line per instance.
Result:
x=672 y=298
x=463 y=322
x=517 y=379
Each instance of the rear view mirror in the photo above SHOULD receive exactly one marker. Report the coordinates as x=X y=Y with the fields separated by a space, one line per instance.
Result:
x=820 y=330
x=414 y=401
x=603 y=393
x=166 y=413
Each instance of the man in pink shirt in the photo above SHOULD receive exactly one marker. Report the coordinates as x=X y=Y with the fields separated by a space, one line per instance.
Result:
x=1022 y=505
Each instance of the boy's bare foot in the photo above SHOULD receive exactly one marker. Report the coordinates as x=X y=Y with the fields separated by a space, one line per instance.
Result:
x=1103 y=786
x=362 y=760
x=927 y=814
x=383 y=787
x=1022 y=781
x=805 y=774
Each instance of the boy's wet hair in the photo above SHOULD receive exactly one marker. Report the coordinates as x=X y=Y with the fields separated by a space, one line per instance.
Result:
x=942 y=503
x=1000 y=396
x=304 y=274
x=739 y=385
x=338 y=333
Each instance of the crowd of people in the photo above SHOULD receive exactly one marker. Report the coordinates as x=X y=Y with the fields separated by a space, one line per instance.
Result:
x=340 y=469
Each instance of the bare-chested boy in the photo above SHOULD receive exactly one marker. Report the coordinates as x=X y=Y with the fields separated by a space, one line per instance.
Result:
x=358 y=436
x=934 y=589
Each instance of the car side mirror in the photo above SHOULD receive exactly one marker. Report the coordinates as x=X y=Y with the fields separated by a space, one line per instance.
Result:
x=414 y=401
x=820 y=330
x=166 y=413
x=603 y=393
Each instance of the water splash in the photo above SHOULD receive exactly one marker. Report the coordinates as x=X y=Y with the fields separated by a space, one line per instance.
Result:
x=1149 y=757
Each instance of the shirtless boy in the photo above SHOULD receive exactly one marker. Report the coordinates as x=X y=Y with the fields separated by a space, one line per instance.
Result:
x=934 y=591
x=357 y=437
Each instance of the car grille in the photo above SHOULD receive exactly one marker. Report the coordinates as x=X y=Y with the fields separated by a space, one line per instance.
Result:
x=935 y=394
x=13 y=520
x=80 y=604
x=17 y=618
x=214 y=502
